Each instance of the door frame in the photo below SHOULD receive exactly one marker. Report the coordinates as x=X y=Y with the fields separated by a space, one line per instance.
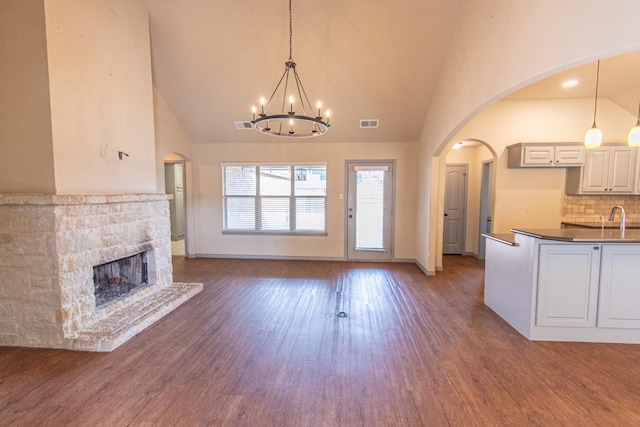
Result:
x=185 y=202
x=392 y=227
x=486 y=205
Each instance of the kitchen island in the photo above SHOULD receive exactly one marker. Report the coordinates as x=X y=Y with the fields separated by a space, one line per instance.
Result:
x=566 y=284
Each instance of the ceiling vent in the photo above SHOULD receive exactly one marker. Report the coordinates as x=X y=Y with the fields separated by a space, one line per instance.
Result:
x=243 y=125
x=369 y=124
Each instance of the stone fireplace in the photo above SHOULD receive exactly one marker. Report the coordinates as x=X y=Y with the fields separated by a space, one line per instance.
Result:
x=50 y=248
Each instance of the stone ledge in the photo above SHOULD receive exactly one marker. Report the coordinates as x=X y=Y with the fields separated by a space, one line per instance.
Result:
x=124 y=324
x=62 y=200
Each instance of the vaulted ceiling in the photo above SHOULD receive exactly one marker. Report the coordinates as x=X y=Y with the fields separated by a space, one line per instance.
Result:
x=213 y=60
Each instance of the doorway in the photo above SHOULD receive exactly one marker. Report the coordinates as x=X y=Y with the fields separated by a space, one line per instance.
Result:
x=174 y=185
x=369 y=213
x=485 y=206
x=455 y=199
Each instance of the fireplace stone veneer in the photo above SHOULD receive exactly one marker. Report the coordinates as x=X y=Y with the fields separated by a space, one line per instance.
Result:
x=49 y=245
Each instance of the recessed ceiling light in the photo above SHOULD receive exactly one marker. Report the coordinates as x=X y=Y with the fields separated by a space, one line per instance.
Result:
x=570 y=83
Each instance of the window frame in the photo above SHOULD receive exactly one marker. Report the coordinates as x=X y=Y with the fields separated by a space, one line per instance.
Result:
x=258 y=199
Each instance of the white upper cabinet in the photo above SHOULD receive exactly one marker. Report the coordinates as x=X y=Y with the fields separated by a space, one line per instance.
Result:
x=531 y=155
x=607 y=170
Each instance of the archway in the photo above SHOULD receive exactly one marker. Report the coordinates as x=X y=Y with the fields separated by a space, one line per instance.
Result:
x=177 y=182
x=474 y=153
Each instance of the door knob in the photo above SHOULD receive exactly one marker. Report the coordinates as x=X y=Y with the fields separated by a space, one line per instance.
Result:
x=350 y=216
x=446 y=214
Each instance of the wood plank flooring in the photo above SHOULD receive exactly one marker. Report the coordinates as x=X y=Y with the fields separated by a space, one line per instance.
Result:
x=262 y=346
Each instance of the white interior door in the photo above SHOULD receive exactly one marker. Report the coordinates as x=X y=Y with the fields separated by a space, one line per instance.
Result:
x=455 y=197
x=370 y=210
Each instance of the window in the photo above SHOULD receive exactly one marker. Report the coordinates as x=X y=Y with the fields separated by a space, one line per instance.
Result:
x=275 y=199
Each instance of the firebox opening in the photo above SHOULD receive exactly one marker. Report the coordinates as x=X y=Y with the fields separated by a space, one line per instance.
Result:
x=117 y=278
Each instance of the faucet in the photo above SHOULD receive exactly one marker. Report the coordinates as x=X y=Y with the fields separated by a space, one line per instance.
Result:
x=623 y=218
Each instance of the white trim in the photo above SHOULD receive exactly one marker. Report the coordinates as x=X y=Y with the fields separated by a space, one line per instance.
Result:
x=371 y=168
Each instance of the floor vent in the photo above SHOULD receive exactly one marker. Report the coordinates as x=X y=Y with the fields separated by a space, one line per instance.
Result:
x=369 y=124
x=243 y=125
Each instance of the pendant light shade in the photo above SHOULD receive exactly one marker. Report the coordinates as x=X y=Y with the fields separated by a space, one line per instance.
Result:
x=634 y=133
x=593 y=137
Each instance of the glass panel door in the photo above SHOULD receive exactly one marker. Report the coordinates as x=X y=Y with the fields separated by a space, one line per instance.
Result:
x=369 y=210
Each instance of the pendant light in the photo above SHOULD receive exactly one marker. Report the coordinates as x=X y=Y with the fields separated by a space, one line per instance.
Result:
x=634 y=133
x=593 y=137
x=289 y=124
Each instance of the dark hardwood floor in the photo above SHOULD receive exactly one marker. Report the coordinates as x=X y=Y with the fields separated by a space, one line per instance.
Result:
x=262 y=346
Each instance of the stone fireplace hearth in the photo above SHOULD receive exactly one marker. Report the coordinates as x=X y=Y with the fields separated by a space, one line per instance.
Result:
x=49 y=246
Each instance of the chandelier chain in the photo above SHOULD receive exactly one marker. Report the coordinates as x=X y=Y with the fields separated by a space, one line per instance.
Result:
x=290 y=33
x=595 y=107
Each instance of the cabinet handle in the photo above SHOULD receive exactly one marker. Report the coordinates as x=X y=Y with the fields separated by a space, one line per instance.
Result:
x=596 y=248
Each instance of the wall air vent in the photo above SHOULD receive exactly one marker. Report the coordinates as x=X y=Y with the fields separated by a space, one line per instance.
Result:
x=243 y=125
x=369 y=124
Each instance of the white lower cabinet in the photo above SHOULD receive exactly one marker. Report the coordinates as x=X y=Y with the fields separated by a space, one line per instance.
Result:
x=619 y=298
x=588 y=286
x=567 y=285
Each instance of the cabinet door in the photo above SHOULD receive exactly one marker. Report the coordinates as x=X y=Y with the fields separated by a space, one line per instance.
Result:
x=621 y=171
x=567 y=285
x=541 y=156
x=569 y=155
x=596 y=171
x=619 y=299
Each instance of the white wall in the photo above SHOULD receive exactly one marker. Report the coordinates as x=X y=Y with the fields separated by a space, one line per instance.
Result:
x=208 y=203
x=26 y=163
x=500 y=46
x=101 y=96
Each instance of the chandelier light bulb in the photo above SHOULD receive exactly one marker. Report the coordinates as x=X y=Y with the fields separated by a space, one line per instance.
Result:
x=254 y=110
x=262 y=102
x=319 y=105
x=328 y=113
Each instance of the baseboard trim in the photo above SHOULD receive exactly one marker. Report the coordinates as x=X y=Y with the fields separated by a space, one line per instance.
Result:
x=302 y=258
x=424 y=269
x=269 y=257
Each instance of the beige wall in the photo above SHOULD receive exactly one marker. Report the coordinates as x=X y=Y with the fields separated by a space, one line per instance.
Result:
x=208 y=203
x=101 y=96
x=26 y=163
x=501 y=46
x=533 y=197
x=171 y=138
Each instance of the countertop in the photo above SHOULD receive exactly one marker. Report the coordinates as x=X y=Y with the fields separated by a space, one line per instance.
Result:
x=582 y=235
x=506 y=238
x=598 y=225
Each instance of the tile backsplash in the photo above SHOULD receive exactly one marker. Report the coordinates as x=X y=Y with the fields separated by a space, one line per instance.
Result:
x=584 y=209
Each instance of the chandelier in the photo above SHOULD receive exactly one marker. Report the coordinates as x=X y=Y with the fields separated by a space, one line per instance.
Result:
x=290 y=124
